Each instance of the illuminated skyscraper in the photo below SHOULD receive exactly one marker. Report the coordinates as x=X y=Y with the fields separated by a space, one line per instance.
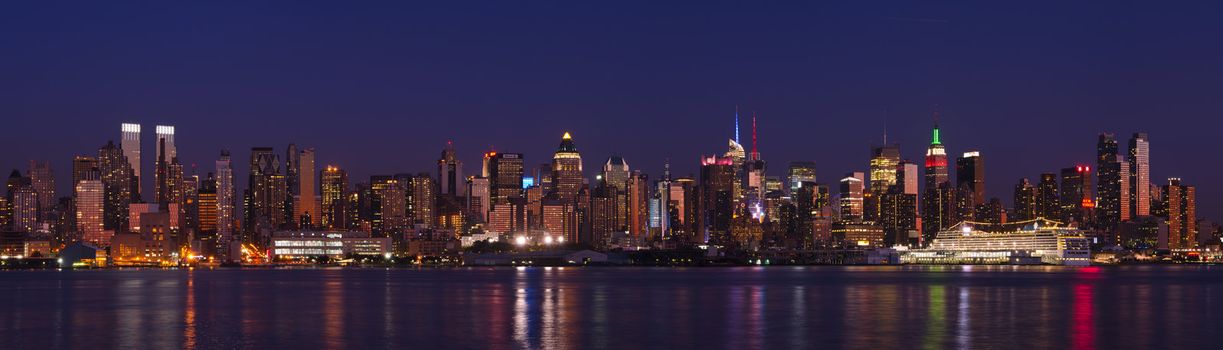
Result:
x=1025 y=200
x=882 y=177
x=938 y=196
x=616 y=172
x=717 y=203
x=1140 y=175
x=130 y=143
x=567 y=170
x=1077 y=200
x=117 y=180
x=226 y=203
x=800 y=172
x=43 y=180
x=1109 y=185
x=307 y=205
x=1047 y=203
x=165 y=132
x=89 y=210
x=23 y=200
x=207 y=206
x=450 y=173
x=388 y=206
x=852 y=197
x=1182 y=214
x=334 y=186
x=268 y=193
x=970 y=174
x=423 y=200
x=479 y=195
x=505 y=176
x=637 y=196
x=84 y=168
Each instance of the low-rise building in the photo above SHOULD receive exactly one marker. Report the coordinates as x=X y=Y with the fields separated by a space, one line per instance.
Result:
x=333 y=244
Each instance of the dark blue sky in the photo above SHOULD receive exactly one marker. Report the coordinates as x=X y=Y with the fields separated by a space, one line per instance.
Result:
x=379 y=87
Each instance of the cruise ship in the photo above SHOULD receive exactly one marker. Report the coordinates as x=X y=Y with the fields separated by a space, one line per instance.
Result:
x=1031 y=242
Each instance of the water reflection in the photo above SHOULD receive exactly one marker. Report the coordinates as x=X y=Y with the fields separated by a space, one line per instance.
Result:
x=536 y=308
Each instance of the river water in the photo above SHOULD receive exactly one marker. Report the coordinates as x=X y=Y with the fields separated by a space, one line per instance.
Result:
x=931 y=307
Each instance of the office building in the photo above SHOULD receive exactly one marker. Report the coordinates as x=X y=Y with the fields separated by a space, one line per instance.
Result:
x=130 y=143
x=1140 y=175
x=567 y=170
x=1182 y=214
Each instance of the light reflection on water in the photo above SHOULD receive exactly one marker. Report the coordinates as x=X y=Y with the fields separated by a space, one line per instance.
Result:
x=602 y=308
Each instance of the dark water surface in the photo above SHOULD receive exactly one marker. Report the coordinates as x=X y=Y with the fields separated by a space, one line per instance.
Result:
x=977 y=307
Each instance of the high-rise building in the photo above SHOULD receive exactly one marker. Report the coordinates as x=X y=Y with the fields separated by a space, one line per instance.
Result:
x=616 y=172
x=970 y=174
x=43 y=180
x=479 y=194
x=130 y=143
x=1182 y=214
x=1025 y=201
x=23 y=200
x=207 y=206
x=226 y=203
x=800 y=172
x=717 y=202
x=567 y=170
x=84 y=168
x=268 y=193
x=117 y=180
x=603 y=213
x=422 y=203
x=883 y=164
x=1077 y=200
x=1047 y=203
x=852 y=197
x=1109 y=185
x=505 y=176
x=388 y=207
x=306 y=209
x=166 y=132
x=89 y=210
x=334 y=188
x=450 y=173
x=637 y=196
x=938 y=196
x=1140 y=175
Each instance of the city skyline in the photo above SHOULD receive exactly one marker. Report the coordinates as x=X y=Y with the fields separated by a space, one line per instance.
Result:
x=999 y=185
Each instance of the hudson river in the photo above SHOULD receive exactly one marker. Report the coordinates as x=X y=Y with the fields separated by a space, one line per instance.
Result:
x=932 y=307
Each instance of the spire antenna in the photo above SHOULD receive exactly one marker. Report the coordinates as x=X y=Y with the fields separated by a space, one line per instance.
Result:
x=737 y=124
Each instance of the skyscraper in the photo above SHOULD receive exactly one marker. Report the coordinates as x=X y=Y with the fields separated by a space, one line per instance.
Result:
x=225 y=203
x=970 y=174
x=334 y=186
x=1047 y=204
x=84 y=168
x=423 y=200
x=166 y=132
x=938 y=197
x=450 y=173
x=852 y=197
x=207 y=206
x=1077 y=200
x=1109 y=188
x=268 y=192
x=307 y=205
x=1140 y=175
x=89 y=210
x=1025 y=200
x=130 y=143
x=800 y=172
x=505 y=176
x=116 y=175
x=388 y=206
x=567 y=170
x=1182 y=214
x=716 y=200
x=616 y=172
x=43 y=180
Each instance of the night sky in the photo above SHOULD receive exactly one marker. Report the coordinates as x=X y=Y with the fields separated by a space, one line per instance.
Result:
x=379 y=87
